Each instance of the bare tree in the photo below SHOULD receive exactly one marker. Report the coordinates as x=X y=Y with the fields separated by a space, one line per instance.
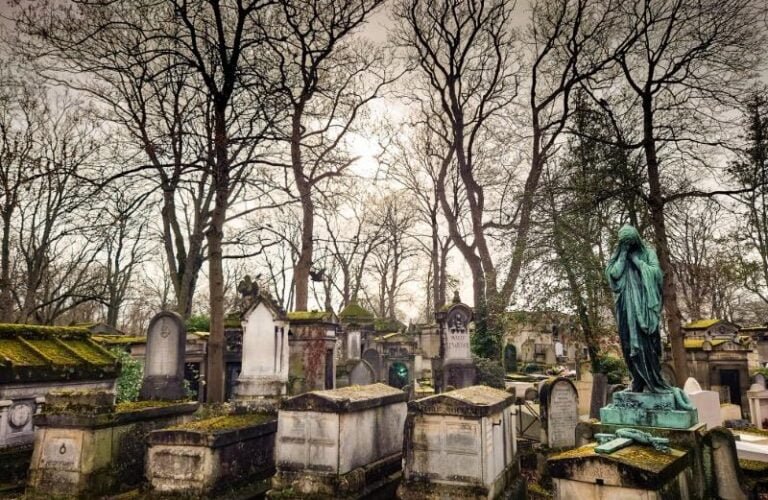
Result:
x=686 y=62
x=327 y=79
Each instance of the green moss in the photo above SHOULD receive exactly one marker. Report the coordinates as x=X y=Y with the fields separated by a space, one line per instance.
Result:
x=119 y=339
x=701 y=324
x=18 y=354
x=90 y=352
x=9 y=330
x=355 y=312
x=309 y=316
x=55 y=352
x=388 y=326
x=225 y=422
x=129 y=406
x=753 y=466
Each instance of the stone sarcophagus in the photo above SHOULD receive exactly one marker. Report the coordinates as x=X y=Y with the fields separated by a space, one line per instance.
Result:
x=342 y=443
x=461 y=444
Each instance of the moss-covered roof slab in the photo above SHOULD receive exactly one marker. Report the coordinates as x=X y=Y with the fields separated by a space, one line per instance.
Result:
x=33 y=353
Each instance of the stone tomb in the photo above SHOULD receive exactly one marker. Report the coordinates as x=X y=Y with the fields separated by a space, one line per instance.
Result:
x=264 y=372
x=707 y=403
x=87 y=446
x=207 y=456
x=560 y=412
x=458 y=367
x=461 y=444
x=164 y=363
x=312 y=343
x=342 y=443
x=636 y=471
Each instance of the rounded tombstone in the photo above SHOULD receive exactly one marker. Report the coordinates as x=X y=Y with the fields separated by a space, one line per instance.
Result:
x=164 y=358
x=531 y=394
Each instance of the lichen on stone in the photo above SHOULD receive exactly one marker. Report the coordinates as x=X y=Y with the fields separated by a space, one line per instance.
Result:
x=129 y=406
x=225 y=422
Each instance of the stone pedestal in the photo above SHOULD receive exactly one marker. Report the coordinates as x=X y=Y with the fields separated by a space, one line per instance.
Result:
x=206 y=456
x=635 y=471
x=343 y=443
x=647 y=409
x=87 y=447
x=458 y=373
x=757 y=395
x=461 y=444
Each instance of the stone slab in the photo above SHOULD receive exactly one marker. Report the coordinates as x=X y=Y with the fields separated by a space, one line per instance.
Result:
x=613 y=445
x=675 y=419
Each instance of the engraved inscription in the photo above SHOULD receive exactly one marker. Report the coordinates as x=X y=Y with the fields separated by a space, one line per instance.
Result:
x=563 y=416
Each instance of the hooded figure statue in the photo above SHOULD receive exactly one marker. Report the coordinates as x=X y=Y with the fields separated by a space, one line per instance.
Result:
x=636 y=278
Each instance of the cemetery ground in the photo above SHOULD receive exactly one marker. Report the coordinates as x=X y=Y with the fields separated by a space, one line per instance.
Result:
x=326 y=406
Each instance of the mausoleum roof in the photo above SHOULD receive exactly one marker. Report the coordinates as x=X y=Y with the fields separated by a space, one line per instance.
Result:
x=311 y=316
x=30 y=353
x=346 y=399
x=477 y=401
x=355 y=312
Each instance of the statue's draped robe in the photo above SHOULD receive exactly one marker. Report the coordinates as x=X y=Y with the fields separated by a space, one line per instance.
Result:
x=638 y=301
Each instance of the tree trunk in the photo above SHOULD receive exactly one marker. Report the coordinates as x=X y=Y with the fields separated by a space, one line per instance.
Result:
x=656 y=207
x=303 y=185
x=215 y=235
x=6 y=299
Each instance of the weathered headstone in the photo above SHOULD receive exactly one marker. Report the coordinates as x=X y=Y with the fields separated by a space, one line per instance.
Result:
x=561 y=410
x=373 y=358
x=757 y=395
x=727 y=477
x=164 y=362
x=264 y=372
x=361 y=374
x=707 y=403
x=458 y=367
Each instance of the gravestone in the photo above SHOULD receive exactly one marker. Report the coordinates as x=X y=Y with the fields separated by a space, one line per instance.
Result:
x=720 y=450
x=264 y=372
x=353 y=344
x=560 y=408
x=510 y=358
x=707 y=403
x=373 y=358
x=362 y=374
x=757 y=396
x=458 y=367
x=164 y=362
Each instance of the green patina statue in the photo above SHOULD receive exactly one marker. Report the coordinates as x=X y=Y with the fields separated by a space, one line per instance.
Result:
x=636 y=278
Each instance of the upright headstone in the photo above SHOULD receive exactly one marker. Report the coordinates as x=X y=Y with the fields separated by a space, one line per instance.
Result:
x=361 y=374
x=757 y=395
x=373 y=358
x=560 y=409
x=707 y=403
x=264 y=372
x=164 y=362
x=458 y=367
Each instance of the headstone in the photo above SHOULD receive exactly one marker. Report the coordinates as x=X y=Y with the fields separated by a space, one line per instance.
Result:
x=726 y=472
x=730 y=412
x=353 y=344
x=264 y=372
x=362 y=374
x=458 y=367
x=561 y=410
x=599 y=394
x=164 y=362
x=707 y=403
x=373 y=358
x=757 y=396
x=510 y=358
x=531 y=394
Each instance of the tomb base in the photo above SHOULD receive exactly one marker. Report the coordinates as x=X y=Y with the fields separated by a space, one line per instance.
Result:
x=356 y=484
x=458 y=374
x=647 y=409
x=509 y=485
x=209 y=456
x=87 y=455
x=162 y=388
x=637 y=471
x=259 y=387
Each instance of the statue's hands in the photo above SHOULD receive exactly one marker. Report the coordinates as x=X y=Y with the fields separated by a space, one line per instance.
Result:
x=635 y=258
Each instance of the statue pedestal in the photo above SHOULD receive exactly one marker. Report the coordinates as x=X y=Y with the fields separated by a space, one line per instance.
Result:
x=647 y=409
